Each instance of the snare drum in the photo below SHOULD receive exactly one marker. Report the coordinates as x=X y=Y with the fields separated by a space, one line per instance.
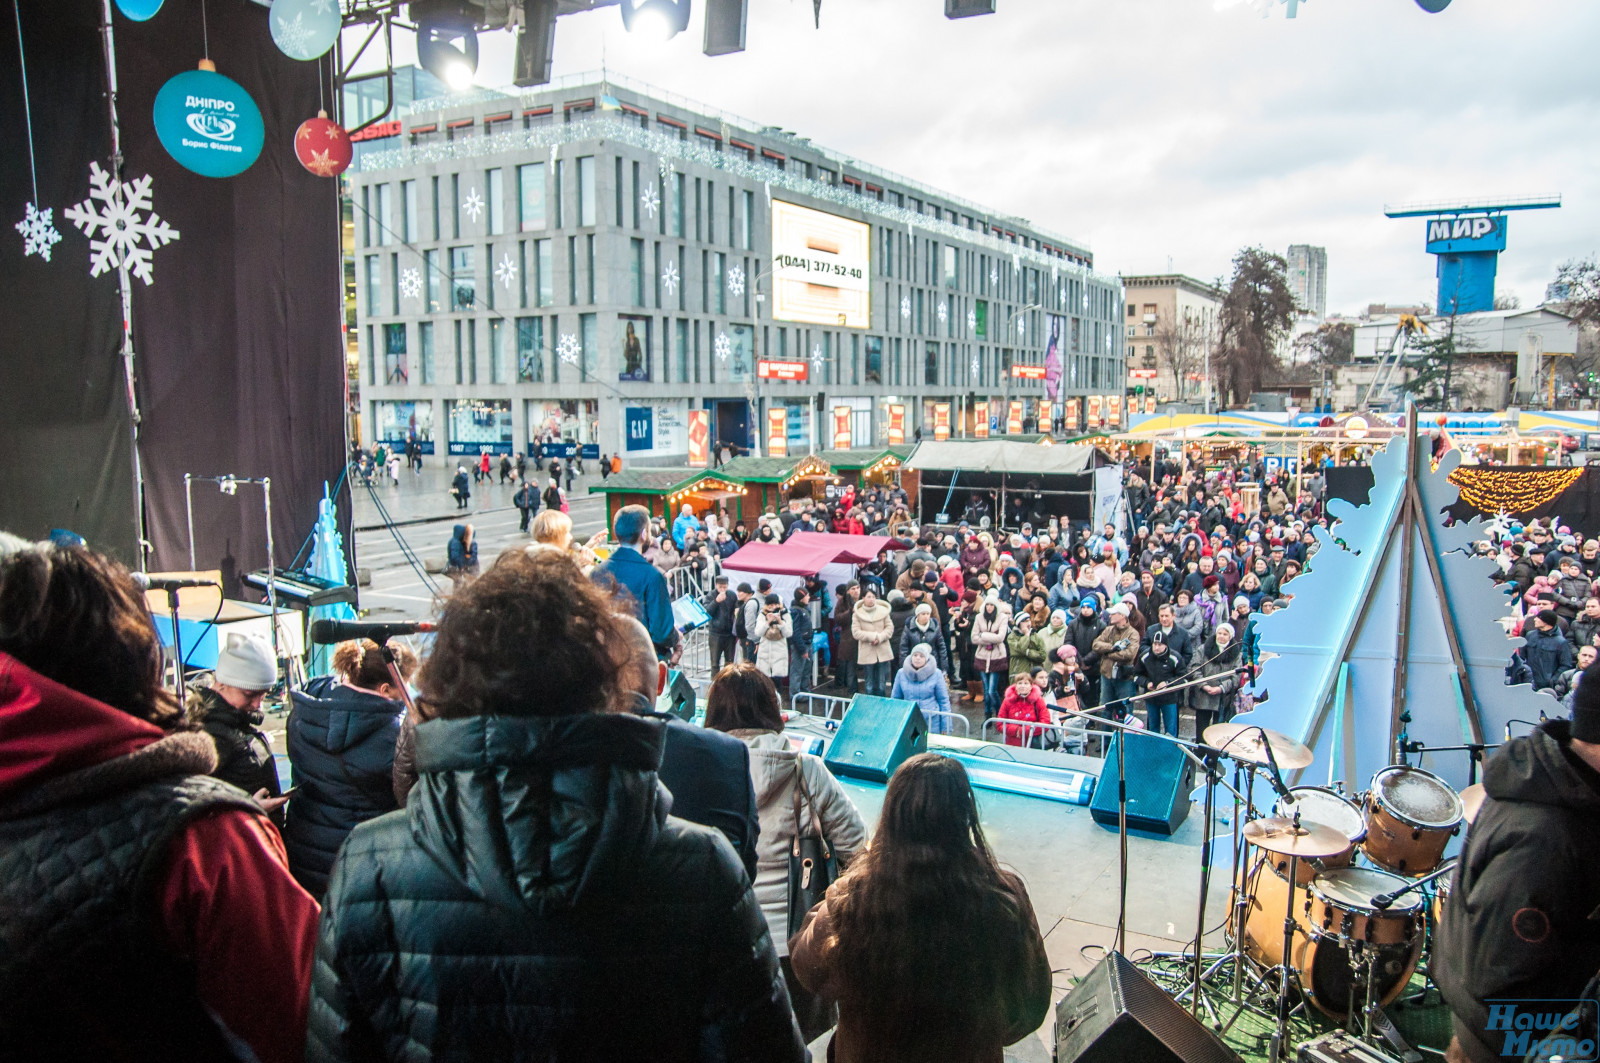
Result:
x=1410 y=817
x=1318 y=804
x=1341 y=917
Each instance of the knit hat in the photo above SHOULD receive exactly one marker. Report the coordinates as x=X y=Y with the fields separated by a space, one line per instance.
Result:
x=246 y=663
x=1241 y=600
x=1586 y=706
x=922 y=648
x=1209 y=582
x=1548 y=616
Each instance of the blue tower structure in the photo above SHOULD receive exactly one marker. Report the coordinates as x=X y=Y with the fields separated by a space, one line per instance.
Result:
x=1468 y=236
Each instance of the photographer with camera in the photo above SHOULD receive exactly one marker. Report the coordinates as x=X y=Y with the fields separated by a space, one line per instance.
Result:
x=1117 y=646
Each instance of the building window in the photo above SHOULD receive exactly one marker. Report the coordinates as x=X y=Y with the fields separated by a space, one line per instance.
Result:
x=394 y=354
x=746 y=232
x=589 y=265
x=561 y=169
x=394 y=284
x=543 y=257
x=636 y=263
x=436 y=208
x=497 y=193
x=497 y=351
x=366 y=215
x=488 y=276
x=530 y=196
x=588 y=336
x=460 y=370
x=425 y=350
x=636 y=193
x=372 y=285
x=372 y=357
x=930 y=363
x=455 y=206
x=463 y=280
x=682 y=330
x=530 y=350
x=432 y=275
x=718 y=262
x=385 y=220
x=676 y=204
x=586 y=204
x=408 y=211
x=619 y=190
x=572 y=270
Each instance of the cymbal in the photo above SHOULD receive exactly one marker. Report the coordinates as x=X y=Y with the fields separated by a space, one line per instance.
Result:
x=1472 y=800
x=1245 y=742
x=1278 y=834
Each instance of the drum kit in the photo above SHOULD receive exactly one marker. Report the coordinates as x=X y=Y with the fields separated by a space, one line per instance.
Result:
x=1328 y=910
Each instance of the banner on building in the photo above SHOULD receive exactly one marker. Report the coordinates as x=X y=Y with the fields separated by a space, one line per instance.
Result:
x=778 y=432
x=1149 y=404
x=699 y=437
x=941 y=420
x=1047 y=416
x=841 y=427
x=1095 y=420
x=1071 y=416
x=1114 y=403
x=1014 y=418
x=980 y=420
x=897 y=424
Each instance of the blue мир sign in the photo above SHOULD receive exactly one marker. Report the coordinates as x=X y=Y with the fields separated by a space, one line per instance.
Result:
x=1468 y=232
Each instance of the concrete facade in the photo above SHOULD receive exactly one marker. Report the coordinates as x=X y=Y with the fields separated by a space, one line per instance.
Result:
x=504 y=246
x=1170 y=323
x=1308 y=279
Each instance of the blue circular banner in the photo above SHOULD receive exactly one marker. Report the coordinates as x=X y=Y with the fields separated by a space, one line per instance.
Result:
x=208 y=123
x=139 y=10
x=304 y=29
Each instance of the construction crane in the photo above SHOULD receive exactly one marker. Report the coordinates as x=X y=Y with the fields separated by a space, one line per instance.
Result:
x=1408 y=326
x=1468 y=236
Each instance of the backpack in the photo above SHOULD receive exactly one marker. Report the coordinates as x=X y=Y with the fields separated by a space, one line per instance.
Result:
x=739 y=627
x=552 y=498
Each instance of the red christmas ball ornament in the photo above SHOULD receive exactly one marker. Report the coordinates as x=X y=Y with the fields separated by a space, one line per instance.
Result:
x=1443 y=420
x=322 y=146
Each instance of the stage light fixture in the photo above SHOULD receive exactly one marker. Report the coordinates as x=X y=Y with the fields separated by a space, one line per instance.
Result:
x=659 y=20
x=447 y=42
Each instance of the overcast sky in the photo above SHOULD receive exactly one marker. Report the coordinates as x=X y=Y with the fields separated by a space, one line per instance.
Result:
x=1181 y=130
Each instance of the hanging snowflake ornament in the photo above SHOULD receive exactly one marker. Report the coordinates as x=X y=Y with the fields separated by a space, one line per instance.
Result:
x=722 y=347
x=1022 y=326
x=506 y=272
x=38 y=232
x=122 y=229
x=669 y=278
x=905 y=307
x=944 y=312
x=736 y=281
x=994 y=275
x=473 y=204
x=568 y=349
x=410 y=283
x=649 y=200
x=972 y=320
x=1500 y=526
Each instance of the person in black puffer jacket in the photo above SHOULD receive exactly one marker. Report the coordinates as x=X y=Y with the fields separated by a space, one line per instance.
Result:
x=342 y=734
x=535 y=882
x=230 y=712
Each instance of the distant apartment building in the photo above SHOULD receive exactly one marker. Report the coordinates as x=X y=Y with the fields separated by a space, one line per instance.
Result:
x=1172 y=324
x=1308 y=279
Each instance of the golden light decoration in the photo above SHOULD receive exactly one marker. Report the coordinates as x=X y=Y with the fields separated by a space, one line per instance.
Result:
x=1514 y=491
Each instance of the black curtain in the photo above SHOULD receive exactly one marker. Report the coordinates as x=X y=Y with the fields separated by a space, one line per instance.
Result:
x=66 y=444
x=241 y=358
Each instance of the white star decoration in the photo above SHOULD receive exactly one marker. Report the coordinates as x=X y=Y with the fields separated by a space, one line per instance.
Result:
x=568 y=348
x=972 y=320
x=649 y=200
x=1500 y=527
x=130 y=230
x=944 y=312
x=38 y=232
x=723 y=347
x=669 y=277
x=905 y=307
x=410 y=283
x=473 y=204
x=736 y=281
x=506 y=271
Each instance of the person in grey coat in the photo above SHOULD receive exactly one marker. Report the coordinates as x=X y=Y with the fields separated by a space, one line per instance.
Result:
x=1219 y=666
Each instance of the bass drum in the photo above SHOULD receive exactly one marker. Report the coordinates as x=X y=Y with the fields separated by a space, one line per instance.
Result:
x=1340 y=913
x=1263 y=921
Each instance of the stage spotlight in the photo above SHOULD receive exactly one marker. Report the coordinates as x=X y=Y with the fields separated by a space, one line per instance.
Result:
x=1433 y=7
x=659 y=20
x=447 y=42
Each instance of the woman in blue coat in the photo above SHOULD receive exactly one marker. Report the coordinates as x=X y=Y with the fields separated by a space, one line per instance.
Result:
x=341 y=738
x=920 y=680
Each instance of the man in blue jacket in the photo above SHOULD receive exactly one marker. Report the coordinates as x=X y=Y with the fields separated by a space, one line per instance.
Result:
x=1547 y=652
x=627 y=569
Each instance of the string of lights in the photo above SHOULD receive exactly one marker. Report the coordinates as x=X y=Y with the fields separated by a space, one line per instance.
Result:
x=1514 y=491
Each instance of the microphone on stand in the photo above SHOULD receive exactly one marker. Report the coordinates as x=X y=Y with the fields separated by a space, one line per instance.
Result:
x=331 y=632
x=1277 y=776
x=169 y=583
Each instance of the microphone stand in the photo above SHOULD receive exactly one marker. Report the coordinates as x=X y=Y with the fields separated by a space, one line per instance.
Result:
x=177 y=643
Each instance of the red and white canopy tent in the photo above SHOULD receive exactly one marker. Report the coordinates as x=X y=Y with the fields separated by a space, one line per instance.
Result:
x=833 y=558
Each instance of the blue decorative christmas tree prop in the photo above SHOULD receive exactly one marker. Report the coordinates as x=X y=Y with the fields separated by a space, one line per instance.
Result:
x=327 y=562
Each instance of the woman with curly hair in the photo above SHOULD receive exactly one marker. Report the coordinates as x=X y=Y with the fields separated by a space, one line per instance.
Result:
x=932 y=950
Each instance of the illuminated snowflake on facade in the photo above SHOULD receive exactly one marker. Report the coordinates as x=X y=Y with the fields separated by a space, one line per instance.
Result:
x=569 y=349
x=649 y=200
x=506 y=272
x=722 y=347
x=944 y=312
x=736 y=281
x=410 y=283
x=473 y=204
x=905 y=307
x=669 y=277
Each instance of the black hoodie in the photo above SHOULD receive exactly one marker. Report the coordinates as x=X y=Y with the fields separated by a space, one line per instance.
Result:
x=1523 y=919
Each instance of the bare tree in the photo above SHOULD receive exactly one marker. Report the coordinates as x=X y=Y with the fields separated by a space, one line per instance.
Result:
x=1509 y=301
x=1181 y=347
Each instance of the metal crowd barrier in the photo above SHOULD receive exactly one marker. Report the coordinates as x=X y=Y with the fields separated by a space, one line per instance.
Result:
x=1070 y=735
x=681 y=583
x=966 y=727
x=829 y=703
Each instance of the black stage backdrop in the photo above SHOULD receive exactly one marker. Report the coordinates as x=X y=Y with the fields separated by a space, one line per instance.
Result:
x=66 y=455
x=1578 y=506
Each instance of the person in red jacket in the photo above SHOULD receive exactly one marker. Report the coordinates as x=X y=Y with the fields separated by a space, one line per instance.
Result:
x=1023 y=703
x=174 y=930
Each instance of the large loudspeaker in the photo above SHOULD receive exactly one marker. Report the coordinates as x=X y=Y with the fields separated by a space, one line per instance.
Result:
x=1159 y=780
x=875 y=738
x=1118 y=1015
x=678 y=698
x=725 y=21
x=968 y=8
x=536 y=44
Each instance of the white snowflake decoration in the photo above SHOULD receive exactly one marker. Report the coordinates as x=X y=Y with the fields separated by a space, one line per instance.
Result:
x=1500 y=527
x=723 y=347
x=736 y=281
x=506 y=272
x=972 y=320
x=905 y=307
x=322 y=7
x=1022 y=326
x=473 y=204
x=410 y=283
x=569 y=349
x=38 y=232
x=293 y=36
x=944 y=312
x=649 y=200
x=975 y=366
x=669 y=277
x=1086 y=301
x=816 y=355
x=129 y=230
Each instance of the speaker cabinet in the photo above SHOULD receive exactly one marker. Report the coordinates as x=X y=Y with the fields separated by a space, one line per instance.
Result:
x=1118 y=1015
x=725 y=22
x=1159 y=780
x=876 y=736
x=536 y=44
x=678 y=698
x=967 y=8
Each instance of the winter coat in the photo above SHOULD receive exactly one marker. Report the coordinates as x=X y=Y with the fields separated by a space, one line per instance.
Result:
x=1223 y=670
x=1161 y=667
x=989 y=636
x=1548 y=654
x=134 y=890
x=1024 y=653
x=1031 y=709
x=461 y=556
x=802 y=631
x=873 y=630
x=1583 y=630
x=244 y=754
x=772 y=644
x=774 y=768
x=974 y=558
x=1053 y=639
x=1193 y=621
x=1105 y=646
x=1519 y=921
x=462 y=485
x=1571 y=594
x=926 y=687
x=722 y=613
x=842 y=611
x=932 y=635
x=341 y=743
x=1081 y=634
x=534 y=880
x=1064 y=595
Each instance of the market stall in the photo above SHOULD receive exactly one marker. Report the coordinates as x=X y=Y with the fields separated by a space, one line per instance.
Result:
x=771 y=482
x=865 y=467
x=832 y=558
x=665 y=491
x=1005 y=479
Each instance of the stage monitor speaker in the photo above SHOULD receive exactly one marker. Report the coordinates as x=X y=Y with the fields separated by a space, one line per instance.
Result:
x=678 y=698
x=725 y=22
x=876 y=736
x=967 y=8
x=536 y=44
x=1159 y=780
x=1118 y=1015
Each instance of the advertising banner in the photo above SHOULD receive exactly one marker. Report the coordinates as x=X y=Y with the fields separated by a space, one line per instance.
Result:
x=770 y=370
x=1027 y=372
x=841 y=427
x=398 y=423
x=699 y=438
x=640 y=422
x=980 y=420
x=1095 y=420
x=821 y=270
x=778 y=432
x=1149 y=404
x=1114 y=404
x=897 y=424
x=1108 y=499
x=1071 y=416
x=1014 y=418
x=1047 y=416
x=941 y=420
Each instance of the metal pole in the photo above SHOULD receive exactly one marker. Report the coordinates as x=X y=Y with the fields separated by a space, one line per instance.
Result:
x=1408 y=530
x=188 y=512
x=272 y=572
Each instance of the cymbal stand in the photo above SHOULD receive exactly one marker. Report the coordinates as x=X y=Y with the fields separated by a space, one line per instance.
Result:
x=1280 y=1031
